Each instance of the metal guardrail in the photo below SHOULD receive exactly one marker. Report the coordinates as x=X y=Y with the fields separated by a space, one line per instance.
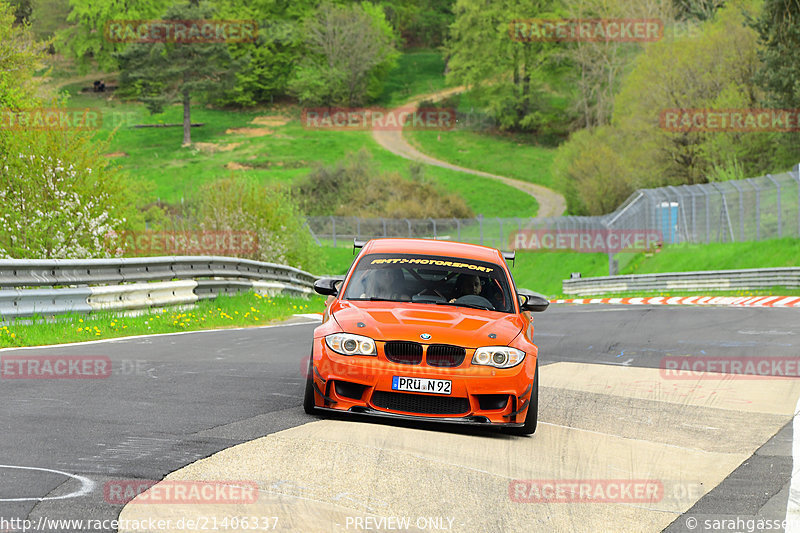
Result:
x=85 y=285
x=748 y=279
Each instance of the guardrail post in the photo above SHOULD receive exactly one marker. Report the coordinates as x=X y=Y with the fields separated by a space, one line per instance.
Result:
x=333 y=221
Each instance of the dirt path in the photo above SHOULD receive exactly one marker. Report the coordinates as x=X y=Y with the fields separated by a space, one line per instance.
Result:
x=551 y=203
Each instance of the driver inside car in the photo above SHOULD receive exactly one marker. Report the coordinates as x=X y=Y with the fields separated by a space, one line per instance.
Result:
x=467 y=284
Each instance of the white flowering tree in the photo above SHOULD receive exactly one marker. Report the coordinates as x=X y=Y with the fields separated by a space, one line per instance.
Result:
x=58 y=197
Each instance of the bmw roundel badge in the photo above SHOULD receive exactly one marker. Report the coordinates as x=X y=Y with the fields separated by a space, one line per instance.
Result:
x=425 y=336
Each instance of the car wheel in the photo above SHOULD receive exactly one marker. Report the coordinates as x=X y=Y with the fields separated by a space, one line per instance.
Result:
x=532 y=415
x=309 y=405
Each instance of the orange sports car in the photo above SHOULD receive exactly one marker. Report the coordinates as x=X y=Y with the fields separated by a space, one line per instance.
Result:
x=428 y=330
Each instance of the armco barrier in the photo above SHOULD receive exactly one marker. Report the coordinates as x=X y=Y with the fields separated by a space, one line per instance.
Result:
x=85 y=285
x=748 y=279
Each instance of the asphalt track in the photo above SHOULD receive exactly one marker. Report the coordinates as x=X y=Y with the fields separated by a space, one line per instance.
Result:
x=719 y=448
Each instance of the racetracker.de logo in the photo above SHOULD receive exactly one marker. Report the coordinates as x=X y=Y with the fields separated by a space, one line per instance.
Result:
x=585 y=490
x=586 y=241
x=730 y=120
x=51 y=119
x=232 y=243
x=120 y=492
x=729 y=367
x=586 y=30
x=181 y=31
x=365 y=119
x=55 y=367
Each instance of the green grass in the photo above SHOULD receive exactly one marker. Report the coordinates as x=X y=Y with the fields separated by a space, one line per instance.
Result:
x=241 y=310
x=417 y=72
x=281 y=153
x=511 y=156
x=336 y=260
x=718 y=256
x=775 y=291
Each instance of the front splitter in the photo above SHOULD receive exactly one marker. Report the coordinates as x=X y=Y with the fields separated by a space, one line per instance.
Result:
x=475 y=421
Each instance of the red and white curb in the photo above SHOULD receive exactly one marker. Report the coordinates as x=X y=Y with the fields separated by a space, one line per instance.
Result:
x=734 y=301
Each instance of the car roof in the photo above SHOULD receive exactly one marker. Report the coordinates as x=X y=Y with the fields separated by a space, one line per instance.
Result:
x=432 y=247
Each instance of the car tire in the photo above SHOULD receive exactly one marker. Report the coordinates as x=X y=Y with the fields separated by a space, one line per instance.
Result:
x=532 y=415
x=309 y=404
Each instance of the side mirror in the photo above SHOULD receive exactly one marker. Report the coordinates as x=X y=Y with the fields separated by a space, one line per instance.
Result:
x=531 y=301
x=327 y=286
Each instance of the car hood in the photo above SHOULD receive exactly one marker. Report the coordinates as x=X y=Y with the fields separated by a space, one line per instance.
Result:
x=460 y=326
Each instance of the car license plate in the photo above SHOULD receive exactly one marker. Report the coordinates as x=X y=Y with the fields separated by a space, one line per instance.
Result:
x=433 y=386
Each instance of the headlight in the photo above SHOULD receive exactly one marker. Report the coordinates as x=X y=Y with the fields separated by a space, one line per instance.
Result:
x=349 y=344
x=498 y=356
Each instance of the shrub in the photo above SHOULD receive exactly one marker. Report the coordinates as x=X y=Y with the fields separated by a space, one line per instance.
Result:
x=240 y=205
x=355 y=187
x=59 y=197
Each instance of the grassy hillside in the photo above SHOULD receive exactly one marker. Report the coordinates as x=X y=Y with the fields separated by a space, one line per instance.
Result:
x=272 y=145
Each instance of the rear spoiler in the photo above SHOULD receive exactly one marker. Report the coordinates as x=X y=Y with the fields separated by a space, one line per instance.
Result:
x=357 y=245
x=510 y=256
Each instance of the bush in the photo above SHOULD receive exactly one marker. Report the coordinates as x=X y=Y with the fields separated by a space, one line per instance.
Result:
x=355 y=187
x=239 y=205
x=59 y=197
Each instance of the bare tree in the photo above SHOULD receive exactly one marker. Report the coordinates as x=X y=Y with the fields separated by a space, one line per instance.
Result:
x=350 y=42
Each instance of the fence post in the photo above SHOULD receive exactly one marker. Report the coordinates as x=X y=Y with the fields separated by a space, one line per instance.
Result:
x=358 y=227
x=741 y=209
x=708 y=216
x=500 y=220
x=458 y=226
x=384 y=227
x=778 y=185
x=480 y=224
x=797 y=174
x=758 y=208
x=409 y=227
x=333 y=221
x=434 y=228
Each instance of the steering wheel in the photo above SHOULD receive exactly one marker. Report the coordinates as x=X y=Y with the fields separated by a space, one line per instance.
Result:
x=475 y=299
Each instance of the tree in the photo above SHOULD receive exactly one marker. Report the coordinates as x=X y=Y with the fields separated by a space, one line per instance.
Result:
x=598 y=65
x=86 y=39
x=23 y=9
x=164 y=73
x=350 y=50
x=59 y=196
x=714 y=70
x=779 y=33
x=507 y=74
x=697 y=9
x=272 y=59
x=20 y=57
x=269 y=212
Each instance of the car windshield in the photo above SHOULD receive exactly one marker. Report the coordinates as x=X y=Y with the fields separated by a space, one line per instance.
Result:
x=435 y=280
